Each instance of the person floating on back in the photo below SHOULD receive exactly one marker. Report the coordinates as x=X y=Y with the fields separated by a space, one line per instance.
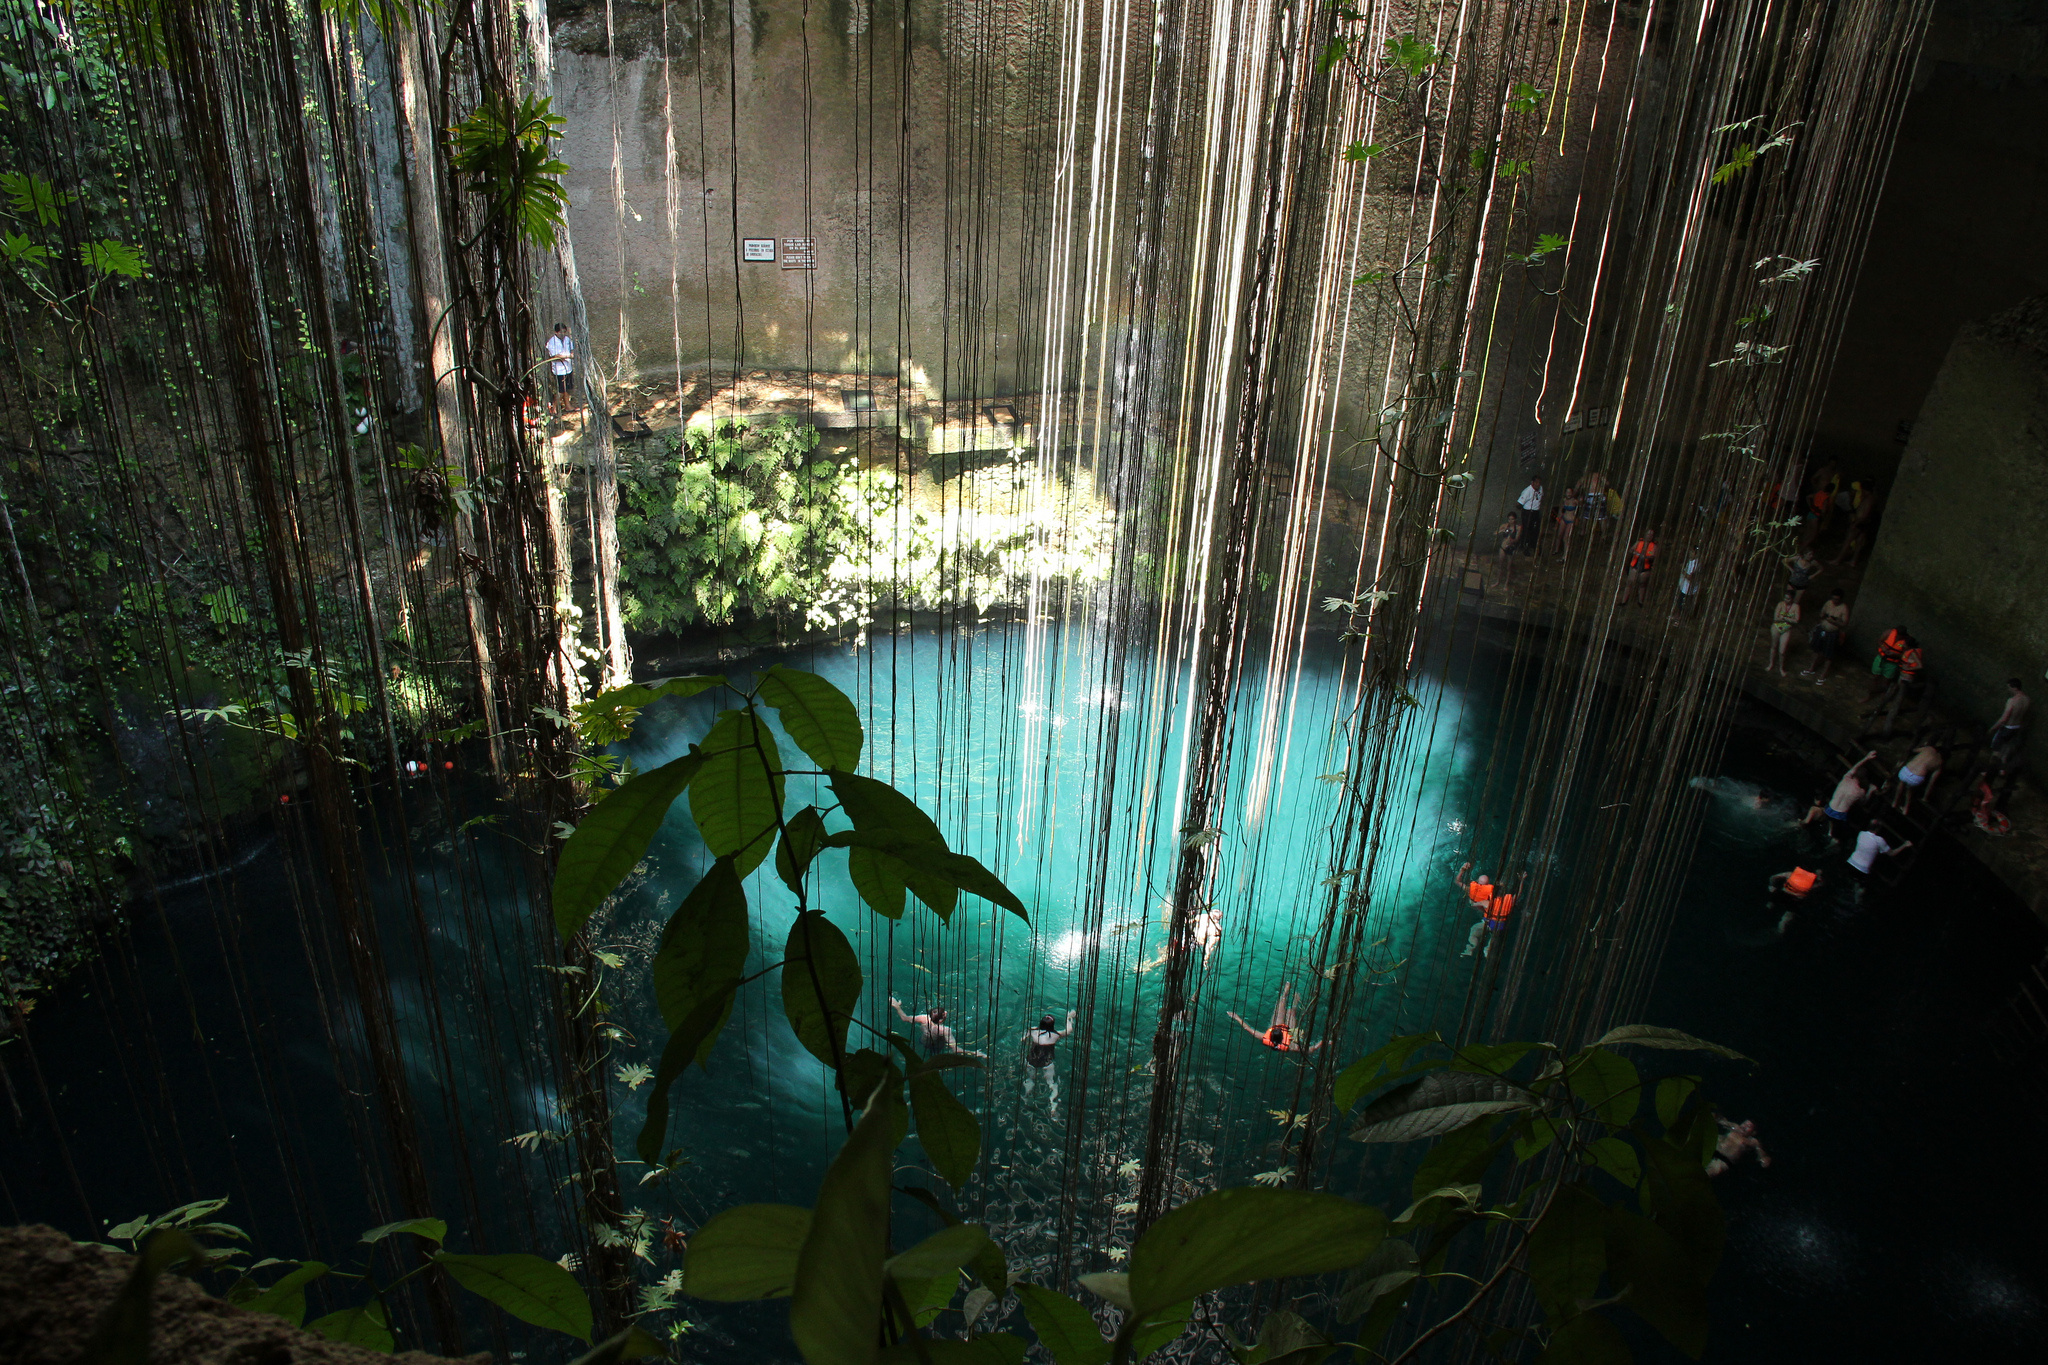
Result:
x=1279 y=1034
x=1039 y=1057
x=1493 y=904
x=934 y=1032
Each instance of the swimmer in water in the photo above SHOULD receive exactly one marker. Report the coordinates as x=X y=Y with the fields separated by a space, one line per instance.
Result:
x=1493 y=904
x=1039 y=1057
x=1795 y=886
x=934 y=1032
x=1736 y=1139
x=1279 y=1034
x=1204 y=932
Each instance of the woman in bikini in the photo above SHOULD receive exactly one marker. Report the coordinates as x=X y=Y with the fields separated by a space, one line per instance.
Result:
x=1783 y=619
x=1279 y=1034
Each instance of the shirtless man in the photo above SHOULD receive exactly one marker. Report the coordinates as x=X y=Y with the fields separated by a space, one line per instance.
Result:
x=1848 y=792
x=934 y=1032
x=1919 y=774
x=2012 y=721
x=1279 y=1034
x=1736 y=1138
x=1038 y=1055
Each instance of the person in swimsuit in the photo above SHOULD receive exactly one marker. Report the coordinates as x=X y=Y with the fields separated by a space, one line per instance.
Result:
x=2012 y=721
x=1595 y=485
x=1279 y=1034
x=1803 y=566
x=1828 y=636
x=1510 y=535
x=1783 y=617
x=1919 y=774
x=1842 y=804
x=1736 y=1140
x=934 y=1032
x=1038 y=1055
x=1567 y=520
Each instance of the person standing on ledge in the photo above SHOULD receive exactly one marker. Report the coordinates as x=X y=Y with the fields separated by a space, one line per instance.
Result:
x=1783 y=617
x=1531 y=503
x=1509 y=533
x=1827 y=637
x=1635 y=577
x=2012 y=721
x=1595 y=485
x=1039 y=1056
x=562 y=360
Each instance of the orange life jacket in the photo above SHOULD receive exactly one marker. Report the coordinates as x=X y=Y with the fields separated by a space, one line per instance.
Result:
x=1479 y=893
x=1909 y=663
x=1498 y=908
x=1800 y=882
x=1645 y=551
x=1891 y=646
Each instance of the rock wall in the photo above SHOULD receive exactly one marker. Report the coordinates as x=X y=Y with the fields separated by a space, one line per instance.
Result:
x=1960 y=560
x=908 y=143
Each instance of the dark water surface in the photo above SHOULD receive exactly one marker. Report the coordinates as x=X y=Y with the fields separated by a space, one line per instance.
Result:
x=1896 y=1223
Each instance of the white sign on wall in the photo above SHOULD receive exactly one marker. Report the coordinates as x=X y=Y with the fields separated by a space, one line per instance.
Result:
x=757 y=249
x=799 y=253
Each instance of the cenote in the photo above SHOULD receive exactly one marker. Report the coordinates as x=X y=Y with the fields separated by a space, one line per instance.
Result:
x=981 y=682
x=1874 y=1016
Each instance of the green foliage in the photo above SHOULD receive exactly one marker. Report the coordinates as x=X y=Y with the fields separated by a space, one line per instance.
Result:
x=122 y=1336
x=1363 y=151
x=526 y=1286
x=746 y=520
x=1411 y=54
x=504 y=150
x=1235 y=1236
x=1524 y=98
x=748 y=1252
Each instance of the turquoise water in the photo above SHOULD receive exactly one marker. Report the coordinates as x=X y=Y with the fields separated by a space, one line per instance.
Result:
x=1067 y=782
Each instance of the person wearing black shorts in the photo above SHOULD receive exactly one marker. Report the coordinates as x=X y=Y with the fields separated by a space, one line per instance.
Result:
x=562 y=360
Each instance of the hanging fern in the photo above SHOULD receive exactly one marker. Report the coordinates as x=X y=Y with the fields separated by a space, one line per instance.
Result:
x=503 y=149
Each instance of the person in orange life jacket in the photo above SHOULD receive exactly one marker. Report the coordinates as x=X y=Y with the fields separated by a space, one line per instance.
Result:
x=1841 y=806
x=1279 y=1034
x=1884 y=665
x=1635 y=577
x=1790 y=888
x=1493 y=904
x=1038 y=1055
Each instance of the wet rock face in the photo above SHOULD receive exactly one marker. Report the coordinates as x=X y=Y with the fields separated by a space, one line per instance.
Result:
x=579 y=26
x=53 y=1292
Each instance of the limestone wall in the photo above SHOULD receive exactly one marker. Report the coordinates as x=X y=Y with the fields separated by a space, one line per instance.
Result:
x=1961 y=560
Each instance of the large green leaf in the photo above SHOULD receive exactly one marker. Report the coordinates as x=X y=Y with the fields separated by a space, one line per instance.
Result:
x=1435 y=1104
x=703 y=951
x=1287 y=1338
x=1490 y=1059
x=1389 y=1057
x=1567 y=1252
x=1617 y=1158
x=942 y=1253
x=736 y=796
x=821 y=981
x=1392 y=1267
x=362 y=1325
x=287 y=1298
x=835 y=1312
x=803 y=835
x=433 y=1229
x=1649 y=1035
x=748 y=1252
x=613 y=839
x=1159 y=1329
x=818 y=716
x=1684 y=1199
x=1233 y=1236
x=884 y=863
x=1460 y=1159
x=1659 y=1280
x=530 y=1288
x=684 y=1045
x=1608 y=1082
x=1064 y=1327
x=863 y=1071
x=122 y=1335
x=878 y=808
x=1587 y=1339
x=948 y=1131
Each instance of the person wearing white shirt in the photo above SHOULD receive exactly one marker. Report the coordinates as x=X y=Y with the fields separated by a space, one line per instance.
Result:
x=562 y=360
x=1531 y=503
x=1870 y=846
